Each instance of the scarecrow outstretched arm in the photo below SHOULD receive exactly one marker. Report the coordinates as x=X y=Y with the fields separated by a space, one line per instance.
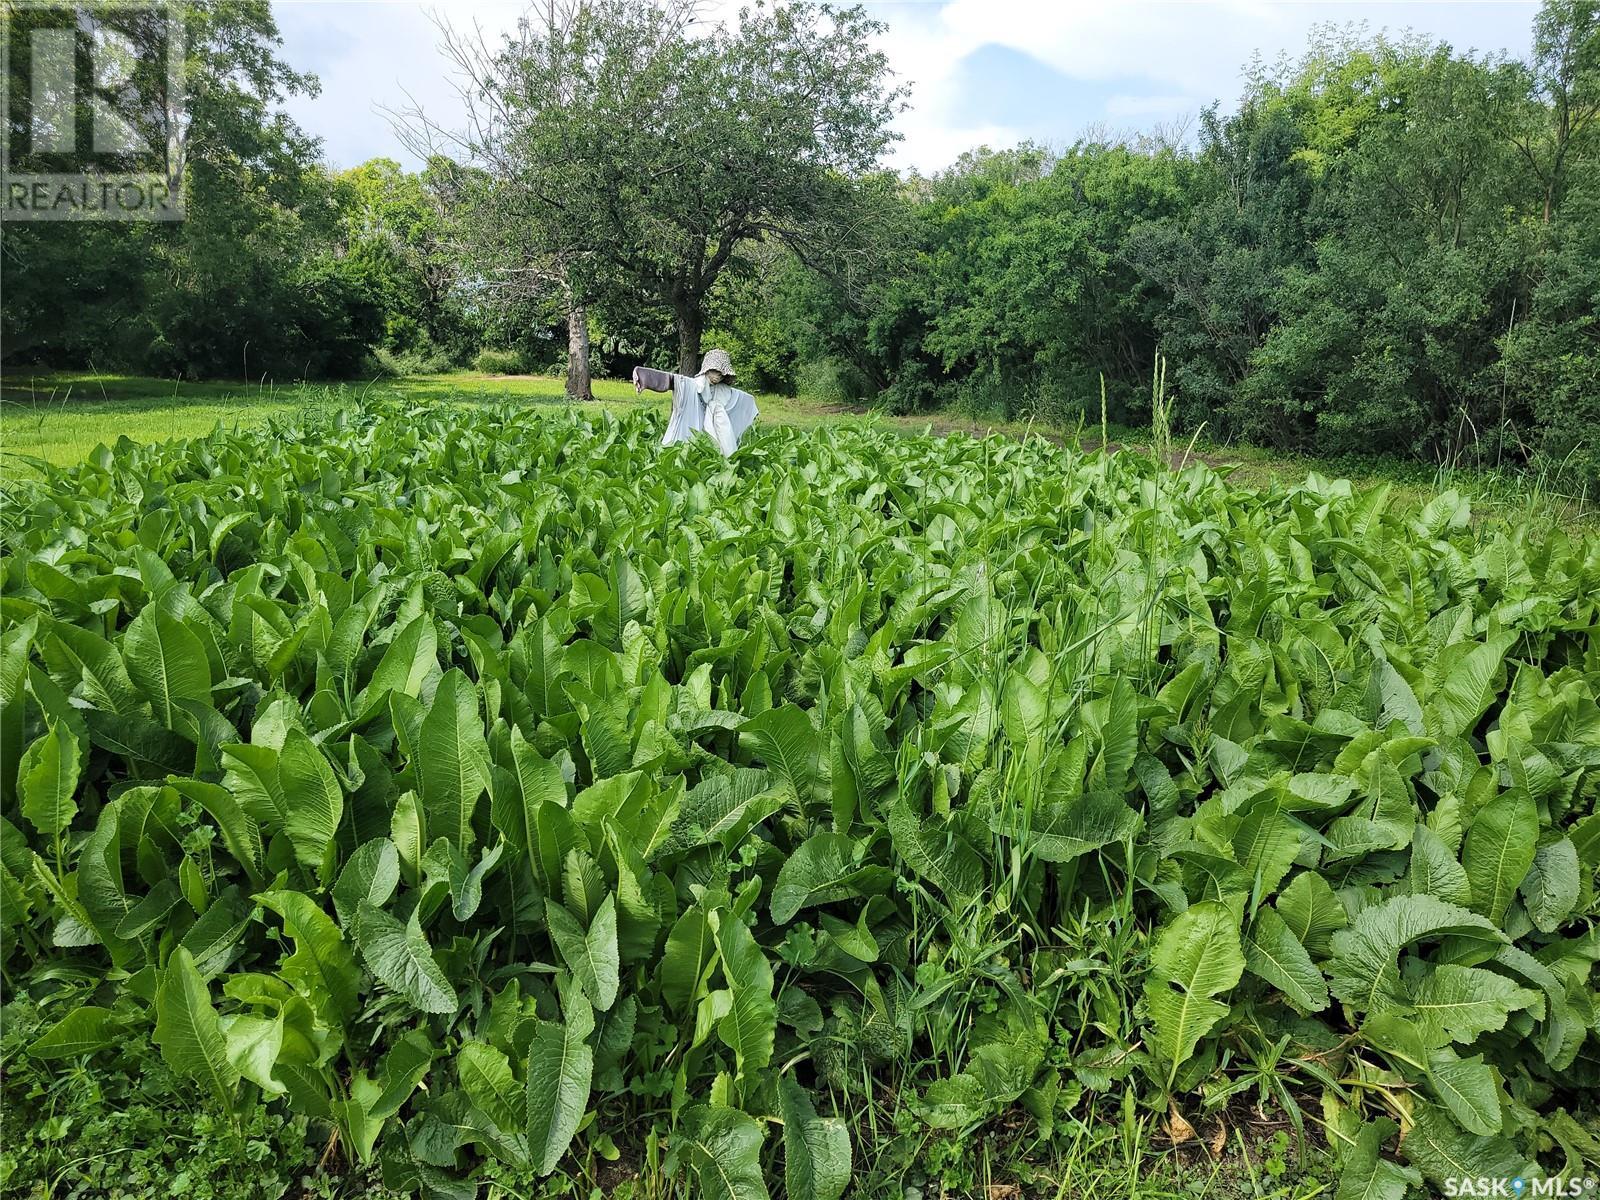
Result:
x=649 y=379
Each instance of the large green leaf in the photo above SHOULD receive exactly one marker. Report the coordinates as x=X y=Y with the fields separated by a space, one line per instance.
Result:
x=1464 y=685
x=1456 y=1003
x=166 y=661
x=84 y=1030
x=188 y=1031
x=559 y=1070
x=690 y=951
x=935 y=851
x=253 y=1045
x=1499 y=850
x=1365 y=972
x=47 y=778
x=452 y=760
x=313 y=800
x=1553 y=884
x=409 y=665
x=515 y=811
x=816 y=1150
x=1197 y=957
x=1060 y=831
x=751 y=1023
x=723 y=1149
x=786 y=741
x=321 y=967
x=401 y=959
x=1367 y=1175
x=372 y=873
x=1276 y=955
x=1311 y=911
x=590 y=954
x=1442 y=1151
x=486 y=1077
x=1469 y=1088
x=822 y=870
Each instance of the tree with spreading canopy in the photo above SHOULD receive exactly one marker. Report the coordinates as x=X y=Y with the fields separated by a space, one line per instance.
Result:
x=628 y=151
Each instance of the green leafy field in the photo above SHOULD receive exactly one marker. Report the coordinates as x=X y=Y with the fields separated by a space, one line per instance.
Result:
x=481 y=794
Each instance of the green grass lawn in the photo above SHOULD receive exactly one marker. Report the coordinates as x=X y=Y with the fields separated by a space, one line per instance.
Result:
x=61 y=416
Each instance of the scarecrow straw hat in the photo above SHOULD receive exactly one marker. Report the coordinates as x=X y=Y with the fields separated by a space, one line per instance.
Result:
x=717 y=360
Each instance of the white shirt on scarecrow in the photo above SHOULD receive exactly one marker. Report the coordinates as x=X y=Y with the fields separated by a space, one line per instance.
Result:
x=706 y=403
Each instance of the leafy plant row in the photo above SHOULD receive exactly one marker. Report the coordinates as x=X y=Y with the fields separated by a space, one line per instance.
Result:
x=499 y=794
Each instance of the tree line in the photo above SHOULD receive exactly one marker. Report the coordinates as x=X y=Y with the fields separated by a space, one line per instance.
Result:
x=1385 y=244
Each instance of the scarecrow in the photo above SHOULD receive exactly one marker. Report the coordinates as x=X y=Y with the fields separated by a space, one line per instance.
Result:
x=706 y=403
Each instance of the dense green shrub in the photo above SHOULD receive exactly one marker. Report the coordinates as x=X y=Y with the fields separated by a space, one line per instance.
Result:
x=500 y=362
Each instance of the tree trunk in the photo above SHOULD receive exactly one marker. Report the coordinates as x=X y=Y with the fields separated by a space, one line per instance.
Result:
x=578 y=354
x=690 y=328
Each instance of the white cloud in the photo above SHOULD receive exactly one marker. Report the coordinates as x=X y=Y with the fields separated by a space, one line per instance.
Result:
x=377 y=55
x=1191 y=52
x=1182 y=54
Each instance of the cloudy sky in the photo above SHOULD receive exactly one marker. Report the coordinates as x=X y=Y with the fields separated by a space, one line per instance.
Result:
x=982 y=71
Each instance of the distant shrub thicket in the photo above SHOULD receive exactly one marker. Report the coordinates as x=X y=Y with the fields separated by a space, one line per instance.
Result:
x=1387 y=247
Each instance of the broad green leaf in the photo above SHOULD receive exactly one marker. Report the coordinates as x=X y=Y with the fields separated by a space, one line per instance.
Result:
x=166 y=661
x=935 y=851
x=1311 y=911
x=1443 y=1151
x=1197 y=956
x=216 y=938
x=1499 y=849
x=188 y=1031
x=1273 y=952
x=487 y=1078
x=453 y=760
x=404 y=1068
x=690 y=951
x=752 y=1021
x=1469 y=1088
x=321 y=967
x=1364 y=971
x=1265 y=845
x=1552 y=885
x=106 y=684
x=401 y=959
x=102 y=892
x=723 y=809
x=785 y=740
x=1456 y=1003
x=515 y=811
x=253 y=1045
x=47 y=778
x=1366 y=1175
x=816 y=1150
x=1060 y=831
x=1435 y=871
x=150 y=910
x=821 y=871
x=1465 y=685
x=409 y=665
x=240 y=833
x=723 y=1149
x=82 y=1031
x=590 y=954
x=560 y=1068
x=372 y=873
x=313 y=799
